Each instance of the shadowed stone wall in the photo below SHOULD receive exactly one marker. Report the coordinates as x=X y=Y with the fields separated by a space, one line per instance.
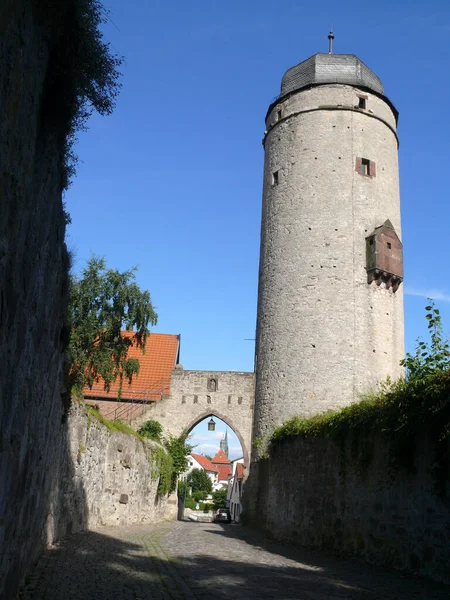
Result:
x=49 y=486
x=33 y=284
x=311 y=494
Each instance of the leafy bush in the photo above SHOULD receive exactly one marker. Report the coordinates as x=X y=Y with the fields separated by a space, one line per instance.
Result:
x=178 y=450
x=151 y=429
x=182 y=489
x=199 y=495
x=199 y=481
x=220 y=498
x=190 y=503
x=432 y=356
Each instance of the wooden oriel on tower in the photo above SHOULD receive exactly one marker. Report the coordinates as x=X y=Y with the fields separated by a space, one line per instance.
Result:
x=384 y=256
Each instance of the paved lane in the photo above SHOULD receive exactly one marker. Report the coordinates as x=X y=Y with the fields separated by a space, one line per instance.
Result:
x=199 y=561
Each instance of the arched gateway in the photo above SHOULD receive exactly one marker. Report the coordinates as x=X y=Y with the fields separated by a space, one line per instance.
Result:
x=177 y=398
x=195 y=395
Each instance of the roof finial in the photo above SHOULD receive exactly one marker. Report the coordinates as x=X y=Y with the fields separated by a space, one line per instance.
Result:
x=330 y=39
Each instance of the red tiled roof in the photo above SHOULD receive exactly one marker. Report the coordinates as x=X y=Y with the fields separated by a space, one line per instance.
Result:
x=224 y=471
x=156 y=366
x=205 y=463
x=240 y=471
x=220 y=458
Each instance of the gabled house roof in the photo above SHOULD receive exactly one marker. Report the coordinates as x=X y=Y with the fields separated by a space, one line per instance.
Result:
x=220 y=458
x=205 y=463
x=224 y=471
x=156 y=363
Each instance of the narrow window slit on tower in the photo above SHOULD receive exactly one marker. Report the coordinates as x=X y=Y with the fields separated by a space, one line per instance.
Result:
x=275 y=178
x=279 y=115
x=361 y=102
x=365 y=167
x=389 y=245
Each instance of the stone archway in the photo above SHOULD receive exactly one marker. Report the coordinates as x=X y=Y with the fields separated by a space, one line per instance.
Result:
x=228 y=422
x=193 y=398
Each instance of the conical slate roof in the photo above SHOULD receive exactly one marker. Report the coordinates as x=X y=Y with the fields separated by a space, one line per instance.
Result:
x=330 y=68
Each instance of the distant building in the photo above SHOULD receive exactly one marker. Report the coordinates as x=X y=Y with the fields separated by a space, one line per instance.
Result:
x=198 y=461
x=223 y=464
x=235 y=482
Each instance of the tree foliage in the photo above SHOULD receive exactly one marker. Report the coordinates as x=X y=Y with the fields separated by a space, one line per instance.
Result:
x=178 y=450
x=220 y=498
x=151 y=429
x=83 y=75
x=430 y=356
x=182 y=489
x=199 y=481
x=103 y=302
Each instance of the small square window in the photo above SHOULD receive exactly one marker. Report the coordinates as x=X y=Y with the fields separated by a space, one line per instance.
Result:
x=361 y=102
x=365 y=167
x=389 y=245
x=275 y=178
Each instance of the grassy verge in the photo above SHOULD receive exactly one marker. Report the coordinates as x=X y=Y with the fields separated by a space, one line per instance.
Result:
x=116 y=425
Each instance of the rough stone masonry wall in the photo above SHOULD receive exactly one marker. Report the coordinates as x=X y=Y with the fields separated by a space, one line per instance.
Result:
x=33 y=277
x=310 y=494
x=107 y=478
x=191 y=401
x=43 y=492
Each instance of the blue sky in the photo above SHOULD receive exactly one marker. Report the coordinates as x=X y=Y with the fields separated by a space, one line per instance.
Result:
x=172 y=180
x=208 y=442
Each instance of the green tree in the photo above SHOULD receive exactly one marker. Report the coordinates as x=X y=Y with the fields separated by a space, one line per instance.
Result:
x=431 y=356
x=151 y=429
x=182 y=489
x=178 y=450
x=103 y=302
x=199 y=481
x=220 y=498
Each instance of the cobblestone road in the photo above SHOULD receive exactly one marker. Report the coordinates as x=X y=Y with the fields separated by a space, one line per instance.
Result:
x=198 y=561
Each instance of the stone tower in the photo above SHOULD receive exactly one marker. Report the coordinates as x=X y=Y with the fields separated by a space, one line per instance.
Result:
x=330 y=303
x=224 y=443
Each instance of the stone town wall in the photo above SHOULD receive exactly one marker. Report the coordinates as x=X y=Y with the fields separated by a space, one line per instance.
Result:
x=311 y=495
x=33 y=283
x=44 y=492
x=108 y=478
x=98 y=478
x=191 y=400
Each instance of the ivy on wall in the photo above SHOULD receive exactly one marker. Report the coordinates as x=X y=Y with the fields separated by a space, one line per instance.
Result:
x=401 y=412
